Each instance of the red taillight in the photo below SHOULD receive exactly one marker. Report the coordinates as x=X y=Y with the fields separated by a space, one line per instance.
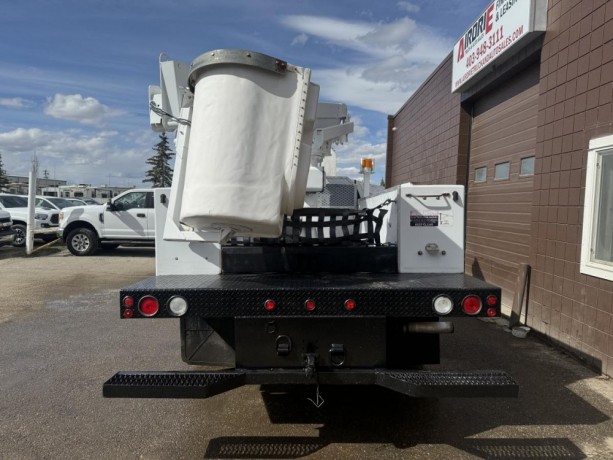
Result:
x=471 y=305
x=269 y=305
x=148 y=306
x=309 y=304
x=492 y=300
x=491 y=312
x=350 y=304
x=128 y=313
x=128 y=301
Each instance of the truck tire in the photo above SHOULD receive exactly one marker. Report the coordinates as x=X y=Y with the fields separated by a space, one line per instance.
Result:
x=82 y=241
x=19 y=237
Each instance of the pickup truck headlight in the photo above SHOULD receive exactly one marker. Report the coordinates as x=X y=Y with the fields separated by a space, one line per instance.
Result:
x=40 y=216
x=61 y=215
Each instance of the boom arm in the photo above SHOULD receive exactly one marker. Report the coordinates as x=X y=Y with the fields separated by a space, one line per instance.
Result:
x=167 y=100
x=332 y=126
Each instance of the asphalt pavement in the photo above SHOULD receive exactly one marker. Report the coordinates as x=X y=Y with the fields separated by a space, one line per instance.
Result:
x=62 y=338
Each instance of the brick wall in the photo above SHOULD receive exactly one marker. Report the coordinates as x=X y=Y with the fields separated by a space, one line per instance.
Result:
x=575 y=105
x=430 y=135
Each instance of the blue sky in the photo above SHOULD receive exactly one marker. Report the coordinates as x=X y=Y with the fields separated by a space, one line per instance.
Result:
x=74 y=73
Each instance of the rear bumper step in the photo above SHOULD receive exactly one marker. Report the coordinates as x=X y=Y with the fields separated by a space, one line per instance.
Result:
x=413 y=383
x=450 y=384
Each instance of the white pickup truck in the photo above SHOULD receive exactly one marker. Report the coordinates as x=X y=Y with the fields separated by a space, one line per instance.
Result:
x=127 y=219
x=17 y=207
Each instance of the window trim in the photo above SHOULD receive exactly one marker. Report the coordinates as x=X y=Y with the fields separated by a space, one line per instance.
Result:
x=481 y=181
x=587 y=266
x=533 y=166
x=508 y=173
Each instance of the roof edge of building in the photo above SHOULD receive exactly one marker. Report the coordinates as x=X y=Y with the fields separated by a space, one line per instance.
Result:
x=425 y=82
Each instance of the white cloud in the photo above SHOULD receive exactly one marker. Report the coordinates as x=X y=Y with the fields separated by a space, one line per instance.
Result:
x=328 y=28
x=351 y=171
x=16 y=102
x=55 y=143
x=397 y=35
x=353 y=88
x=394 y=58
x=359 y=130
x=76 y=156
x=360 y=145
x=74 y=107
x=300 y=39
x=352 y=152
x=408 y=7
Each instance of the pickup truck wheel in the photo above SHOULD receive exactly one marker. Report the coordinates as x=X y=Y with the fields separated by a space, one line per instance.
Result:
x=82 y=242
x=19 y=237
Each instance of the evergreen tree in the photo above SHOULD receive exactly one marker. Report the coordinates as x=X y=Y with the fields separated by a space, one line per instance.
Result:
x=382 y=183
x=4 y=181
x=160 y=174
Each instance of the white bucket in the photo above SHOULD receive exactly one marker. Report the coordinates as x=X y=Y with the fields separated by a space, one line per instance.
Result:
x=249 y=145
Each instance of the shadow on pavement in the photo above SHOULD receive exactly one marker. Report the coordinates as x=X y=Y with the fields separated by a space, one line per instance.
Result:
x=127 y=251
x=9 y=252
x=373 y=415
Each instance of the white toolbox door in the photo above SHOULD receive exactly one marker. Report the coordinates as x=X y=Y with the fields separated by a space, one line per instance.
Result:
x=431 y=231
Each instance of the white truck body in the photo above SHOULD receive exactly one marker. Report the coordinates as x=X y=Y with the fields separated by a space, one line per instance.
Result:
x=275 y=270
x=237 y=176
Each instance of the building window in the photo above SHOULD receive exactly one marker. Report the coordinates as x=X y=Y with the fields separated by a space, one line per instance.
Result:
x=78 y=194
x=526 y=168
x=597 y=238
x=481 y=174
x=501 y=171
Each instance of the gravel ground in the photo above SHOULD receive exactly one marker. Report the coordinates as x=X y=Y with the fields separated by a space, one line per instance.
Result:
x=53 y=273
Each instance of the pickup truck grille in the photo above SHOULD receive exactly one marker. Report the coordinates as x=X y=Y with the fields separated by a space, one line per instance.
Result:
x=55 y=218
x=4 y=220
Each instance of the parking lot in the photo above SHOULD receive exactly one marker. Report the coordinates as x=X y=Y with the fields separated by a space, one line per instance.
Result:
x=53 y=274
x=62 y=338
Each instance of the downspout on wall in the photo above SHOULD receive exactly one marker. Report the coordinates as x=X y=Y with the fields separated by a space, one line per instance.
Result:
x=390 y=150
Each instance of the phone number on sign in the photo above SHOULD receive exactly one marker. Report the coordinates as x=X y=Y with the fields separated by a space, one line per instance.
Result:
x=491 y=41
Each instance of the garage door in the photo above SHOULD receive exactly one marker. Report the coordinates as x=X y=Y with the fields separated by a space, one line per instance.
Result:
x=499 y=198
